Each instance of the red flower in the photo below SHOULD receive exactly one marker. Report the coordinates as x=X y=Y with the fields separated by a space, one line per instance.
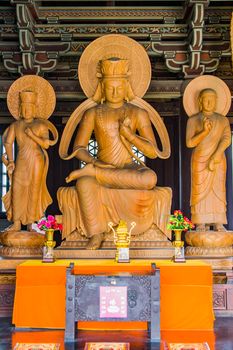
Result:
x=49 y=223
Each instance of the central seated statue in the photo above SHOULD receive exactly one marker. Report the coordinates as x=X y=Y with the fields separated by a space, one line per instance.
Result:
x=115 y=185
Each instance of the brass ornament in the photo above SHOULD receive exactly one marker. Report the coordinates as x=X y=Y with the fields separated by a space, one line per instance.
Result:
x=46 y=98
x=122 y=240
x=120 y=46
x=193 y=89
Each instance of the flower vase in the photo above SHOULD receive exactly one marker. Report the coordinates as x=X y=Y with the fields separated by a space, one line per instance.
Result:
x=48 y=254
x=179 y=247
x=49 y=234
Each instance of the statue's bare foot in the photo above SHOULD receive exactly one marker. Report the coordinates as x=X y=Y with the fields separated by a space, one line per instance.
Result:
x=219 y=227
x=200 y=227
x=88 y=170
x=95 y=241
x=16 y=226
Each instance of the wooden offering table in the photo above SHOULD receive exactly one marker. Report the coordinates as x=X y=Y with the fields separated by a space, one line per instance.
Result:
x=186 y=293
x=122 y=297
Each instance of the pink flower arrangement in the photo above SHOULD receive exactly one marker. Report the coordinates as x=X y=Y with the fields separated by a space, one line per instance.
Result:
x=49 y=223
x=178 y=221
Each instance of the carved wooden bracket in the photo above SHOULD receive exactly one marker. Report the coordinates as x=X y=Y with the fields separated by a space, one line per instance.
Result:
x=191 y=39
x=193 y=56
x=31 y=57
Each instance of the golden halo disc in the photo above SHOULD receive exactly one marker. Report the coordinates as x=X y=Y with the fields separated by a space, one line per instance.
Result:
x=115 y=45
x=193 y=89
x=46 y=98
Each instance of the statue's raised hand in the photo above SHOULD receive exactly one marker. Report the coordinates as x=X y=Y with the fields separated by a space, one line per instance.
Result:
x=29 y=132
x=207 y=124
x=125 y=129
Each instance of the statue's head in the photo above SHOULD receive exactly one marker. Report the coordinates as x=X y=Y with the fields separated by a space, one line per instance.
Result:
x=113 y=86
x=207 y=100
x=27 y=104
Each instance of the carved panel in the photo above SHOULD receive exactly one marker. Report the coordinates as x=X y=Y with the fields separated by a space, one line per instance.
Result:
x=139 y=290
x=117 y=13
x=7 y=293
x=223 y=295
x=110 y=13
x=219 y=299
x=6 y=279
x=91 y=30
x=7 y=14
x=217 y=12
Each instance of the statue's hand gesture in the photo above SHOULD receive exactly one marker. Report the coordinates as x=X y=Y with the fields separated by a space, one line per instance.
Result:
x=10 y=168
x=207 y=125
x=125 y=129
x=29 y=132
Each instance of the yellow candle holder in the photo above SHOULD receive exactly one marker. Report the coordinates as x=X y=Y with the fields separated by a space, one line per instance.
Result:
x=178 y=244
x=122 y=240
x=48 y=254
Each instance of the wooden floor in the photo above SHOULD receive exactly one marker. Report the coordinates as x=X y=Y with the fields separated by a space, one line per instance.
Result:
x=223 y=337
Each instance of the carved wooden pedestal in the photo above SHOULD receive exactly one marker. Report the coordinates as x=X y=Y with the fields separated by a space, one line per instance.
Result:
x=145 y=246
x=159 y=252
x=21 y=244
x=215 y=247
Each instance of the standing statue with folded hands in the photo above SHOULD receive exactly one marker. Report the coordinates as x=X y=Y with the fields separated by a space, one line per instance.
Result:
x=208 y=133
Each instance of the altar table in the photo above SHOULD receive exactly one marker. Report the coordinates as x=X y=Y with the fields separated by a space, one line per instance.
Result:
x=186 y=293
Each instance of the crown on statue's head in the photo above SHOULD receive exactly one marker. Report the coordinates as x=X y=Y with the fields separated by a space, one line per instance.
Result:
x=28 y=97
x=114 y=67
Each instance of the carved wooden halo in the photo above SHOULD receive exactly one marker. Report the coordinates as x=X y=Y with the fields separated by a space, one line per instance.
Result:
x=46 y=98
x=115 y=45
x=193 y=89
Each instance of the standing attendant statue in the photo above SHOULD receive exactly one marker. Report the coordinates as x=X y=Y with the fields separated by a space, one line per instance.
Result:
x=31 y=100
x=113 y=71
x=207 y=100
x=208 y=133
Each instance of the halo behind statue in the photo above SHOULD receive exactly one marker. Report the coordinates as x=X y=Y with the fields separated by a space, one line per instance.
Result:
x=122 y=47
x=46 y=98
x=193 y=89
x=114 y=45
